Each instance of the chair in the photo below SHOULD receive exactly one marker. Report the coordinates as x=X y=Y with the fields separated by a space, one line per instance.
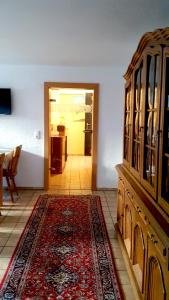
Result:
x=11 y=171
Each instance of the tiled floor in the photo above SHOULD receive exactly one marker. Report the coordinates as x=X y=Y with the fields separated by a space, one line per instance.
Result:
x=15 y=215
x=76 y=174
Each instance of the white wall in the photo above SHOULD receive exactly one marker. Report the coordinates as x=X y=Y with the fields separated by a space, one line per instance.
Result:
x=27 y=84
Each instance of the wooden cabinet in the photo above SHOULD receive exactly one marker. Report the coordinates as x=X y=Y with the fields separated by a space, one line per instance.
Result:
x=58 y=154
x=157 y=274
x=143 y=198
x=120 y=208
x=163 y=175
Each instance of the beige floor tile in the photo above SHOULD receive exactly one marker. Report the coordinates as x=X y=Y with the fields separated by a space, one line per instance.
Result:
x=106 y=213
x=27 y=213
x=124 y=278
x=10 y=219
x=109 y=220
x=16 y=212
x=23 y=219
x=75 y=192
x=120 y=265
x=106 y=210
x=128 y=292
x=117 y=253
x=7 y=227
x=112 y=233
x=4 y=235
x=3 y=241
x=2 y=273
x=13 y=240
x=104 y=204
x=4 y=263
x=7 y=252
x=114 y=243
x=86 y=191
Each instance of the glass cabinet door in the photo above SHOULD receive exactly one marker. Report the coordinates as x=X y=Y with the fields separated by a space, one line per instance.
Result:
x=151 y=126
x=127 y=124
x=137 y=119
x=164 y=141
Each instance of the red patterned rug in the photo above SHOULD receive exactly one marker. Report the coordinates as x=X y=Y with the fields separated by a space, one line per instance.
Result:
x=64 y=253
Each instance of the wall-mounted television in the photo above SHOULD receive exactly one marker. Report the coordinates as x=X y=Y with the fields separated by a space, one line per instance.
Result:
x=5 y=101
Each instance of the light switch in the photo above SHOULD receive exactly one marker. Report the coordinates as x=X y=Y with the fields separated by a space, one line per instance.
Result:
x=37 y=134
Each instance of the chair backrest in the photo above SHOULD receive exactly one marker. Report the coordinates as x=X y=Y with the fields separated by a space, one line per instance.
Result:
x=13 y=163
x=2 y=156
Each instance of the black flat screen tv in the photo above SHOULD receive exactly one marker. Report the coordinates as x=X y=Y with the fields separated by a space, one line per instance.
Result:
x=5 y=101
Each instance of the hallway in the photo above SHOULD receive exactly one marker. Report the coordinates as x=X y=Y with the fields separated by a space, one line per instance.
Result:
x=76 y=174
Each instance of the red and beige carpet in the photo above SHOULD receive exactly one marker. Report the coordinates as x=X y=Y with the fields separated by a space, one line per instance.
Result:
x=64 y=253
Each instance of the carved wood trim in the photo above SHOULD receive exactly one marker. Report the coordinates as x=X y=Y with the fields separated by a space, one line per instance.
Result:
x=159 y=35
x=155 y=277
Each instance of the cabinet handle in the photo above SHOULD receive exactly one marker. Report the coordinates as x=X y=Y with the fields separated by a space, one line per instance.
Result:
x=155 y=242
x=138 y=209
x=151 y=237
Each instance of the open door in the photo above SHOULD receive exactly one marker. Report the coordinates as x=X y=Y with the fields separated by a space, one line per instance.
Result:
x=90 y=132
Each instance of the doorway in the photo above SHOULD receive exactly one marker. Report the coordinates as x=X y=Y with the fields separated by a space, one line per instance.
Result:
x=89 y=132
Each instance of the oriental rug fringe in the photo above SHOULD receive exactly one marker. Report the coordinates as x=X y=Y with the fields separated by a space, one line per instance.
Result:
x=63 y=253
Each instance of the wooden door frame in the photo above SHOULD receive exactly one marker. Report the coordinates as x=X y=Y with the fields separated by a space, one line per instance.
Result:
x=70 y=85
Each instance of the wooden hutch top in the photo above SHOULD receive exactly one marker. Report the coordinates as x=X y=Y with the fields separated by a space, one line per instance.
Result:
x=159 y=36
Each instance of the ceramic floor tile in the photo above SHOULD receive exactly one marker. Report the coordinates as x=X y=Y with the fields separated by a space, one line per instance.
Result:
x=23 y=219
x=7 y=252
x=124 y=278
x=108 y=220
x=13 y=240
x=128 y=292
x=106 y=209
x=10 y=219
x=114 y=243
x=112 y=233
x=2 y=273
x=4 y=263
x=3 y=241
x=117 y=253
x=120 y=265
x=4 y=234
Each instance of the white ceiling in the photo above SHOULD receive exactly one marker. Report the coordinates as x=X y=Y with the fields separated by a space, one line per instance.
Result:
x=76 y=32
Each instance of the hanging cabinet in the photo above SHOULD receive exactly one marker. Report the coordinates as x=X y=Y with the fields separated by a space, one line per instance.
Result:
x=143 y=190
